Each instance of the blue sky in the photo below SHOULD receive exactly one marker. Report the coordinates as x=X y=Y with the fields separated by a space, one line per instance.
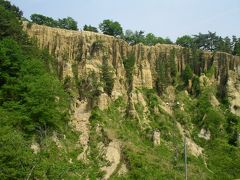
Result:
x=165 y=18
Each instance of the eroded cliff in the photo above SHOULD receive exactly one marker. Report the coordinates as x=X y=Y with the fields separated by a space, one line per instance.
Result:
x=80 y=60
x=81 y=52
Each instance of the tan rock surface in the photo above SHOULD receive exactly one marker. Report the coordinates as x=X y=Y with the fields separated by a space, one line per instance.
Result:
x=113 y=156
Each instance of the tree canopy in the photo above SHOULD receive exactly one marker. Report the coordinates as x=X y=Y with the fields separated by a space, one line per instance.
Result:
x=65 y=23
x=139 y=37
x=210 y=42
x=112 y=28
x=90 y=28
x=33 y=102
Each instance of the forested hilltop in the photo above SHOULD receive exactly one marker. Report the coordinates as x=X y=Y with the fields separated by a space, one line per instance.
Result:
x=113 y=105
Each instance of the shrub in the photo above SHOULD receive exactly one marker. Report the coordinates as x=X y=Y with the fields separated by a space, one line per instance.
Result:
x=187 y=74
x=107 y=77
x=196 y=89
x=129 y=63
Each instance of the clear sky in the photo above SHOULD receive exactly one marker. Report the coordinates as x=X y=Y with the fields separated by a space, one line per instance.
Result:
x=165 y=18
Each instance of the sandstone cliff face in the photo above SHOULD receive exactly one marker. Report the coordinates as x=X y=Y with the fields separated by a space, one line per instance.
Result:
x=79 y=53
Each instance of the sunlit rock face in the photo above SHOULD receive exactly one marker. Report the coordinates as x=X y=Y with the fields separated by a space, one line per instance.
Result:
x=80 y=53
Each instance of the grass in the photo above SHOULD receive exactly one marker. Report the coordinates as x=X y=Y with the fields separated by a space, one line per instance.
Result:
x=144 y=161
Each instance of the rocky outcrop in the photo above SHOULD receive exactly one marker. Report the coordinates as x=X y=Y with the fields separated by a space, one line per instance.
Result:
x=80 y=121
x=35 y=147
x=156 y=137
x=193 y=148
x=79 y=53
x=80 y=57
x=113 y=156
x=233 y=89
x=205 y=134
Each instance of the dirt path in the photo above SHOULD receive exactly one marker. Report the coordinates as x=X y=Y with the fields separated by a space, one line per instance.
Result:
x=81 y=123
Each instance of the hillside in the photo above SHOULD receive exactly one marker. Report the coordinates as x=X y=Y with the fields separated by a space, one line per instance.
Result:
x=133 y=107
x=85 y=105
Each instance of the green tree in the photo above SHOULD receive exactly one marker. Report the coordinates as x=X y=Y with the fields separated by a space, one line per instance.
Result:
x=150 y=39
x=9 y=24
x=161 y=80
x=236 y=46
x=173 y=67
x=167 y=41
x=129 y=63
x=16 y=158
x=68 y=23
x=65 y=23
x=134 y=37
x=90 y=28
x=196 y=89
x=43 y=20
x=228 y=45
x=185 y=41
x=112 y=28
x=206 y=41
x=232 y=129
x=187 y=74
x=107 y=77
x=10 y=60
x=11 y=8
x=89 y=87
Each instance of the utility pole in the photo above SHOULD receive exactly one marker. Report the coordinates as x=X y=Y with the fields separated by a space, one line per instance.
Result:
x=185 y=157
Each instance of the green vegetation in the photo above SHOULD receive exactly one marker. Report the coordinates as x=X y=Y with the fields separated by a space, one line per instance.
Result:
x=143 y=160
x=97 y=46
x=196 y=86
x=187 y=74
x=211 y=42
x=107 y=77
x=161 y=75
x=33 y=105
x=200 y=113
x=10 y=25
x=90 y=28
x=65 y=23
x=172 y=63
x=129 y=68
x=185 y=41
x=149 y=39
x=89 y=87
x=112 y=28
x=222 y=88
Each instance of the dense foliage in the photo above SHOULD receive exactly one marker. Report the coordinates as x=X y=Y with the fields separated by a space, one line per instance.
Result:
x=129 y=67
x=34 y=106
x=211 y=42
x=65 y=23
x=148 y=39
x=112 y=28
x=107 y=76
x=32 y=100
x=90 y=28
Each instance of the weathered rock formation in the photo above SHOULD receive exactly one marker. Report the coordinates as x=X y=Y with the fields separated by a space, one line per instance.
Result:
x=81 y=56
x=79 y=53
x=156 y=138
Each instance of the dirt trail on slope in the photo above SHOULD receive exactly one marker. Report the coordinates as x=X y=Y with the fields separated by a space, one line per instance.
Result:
x=81 y=123
x=113 y=156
